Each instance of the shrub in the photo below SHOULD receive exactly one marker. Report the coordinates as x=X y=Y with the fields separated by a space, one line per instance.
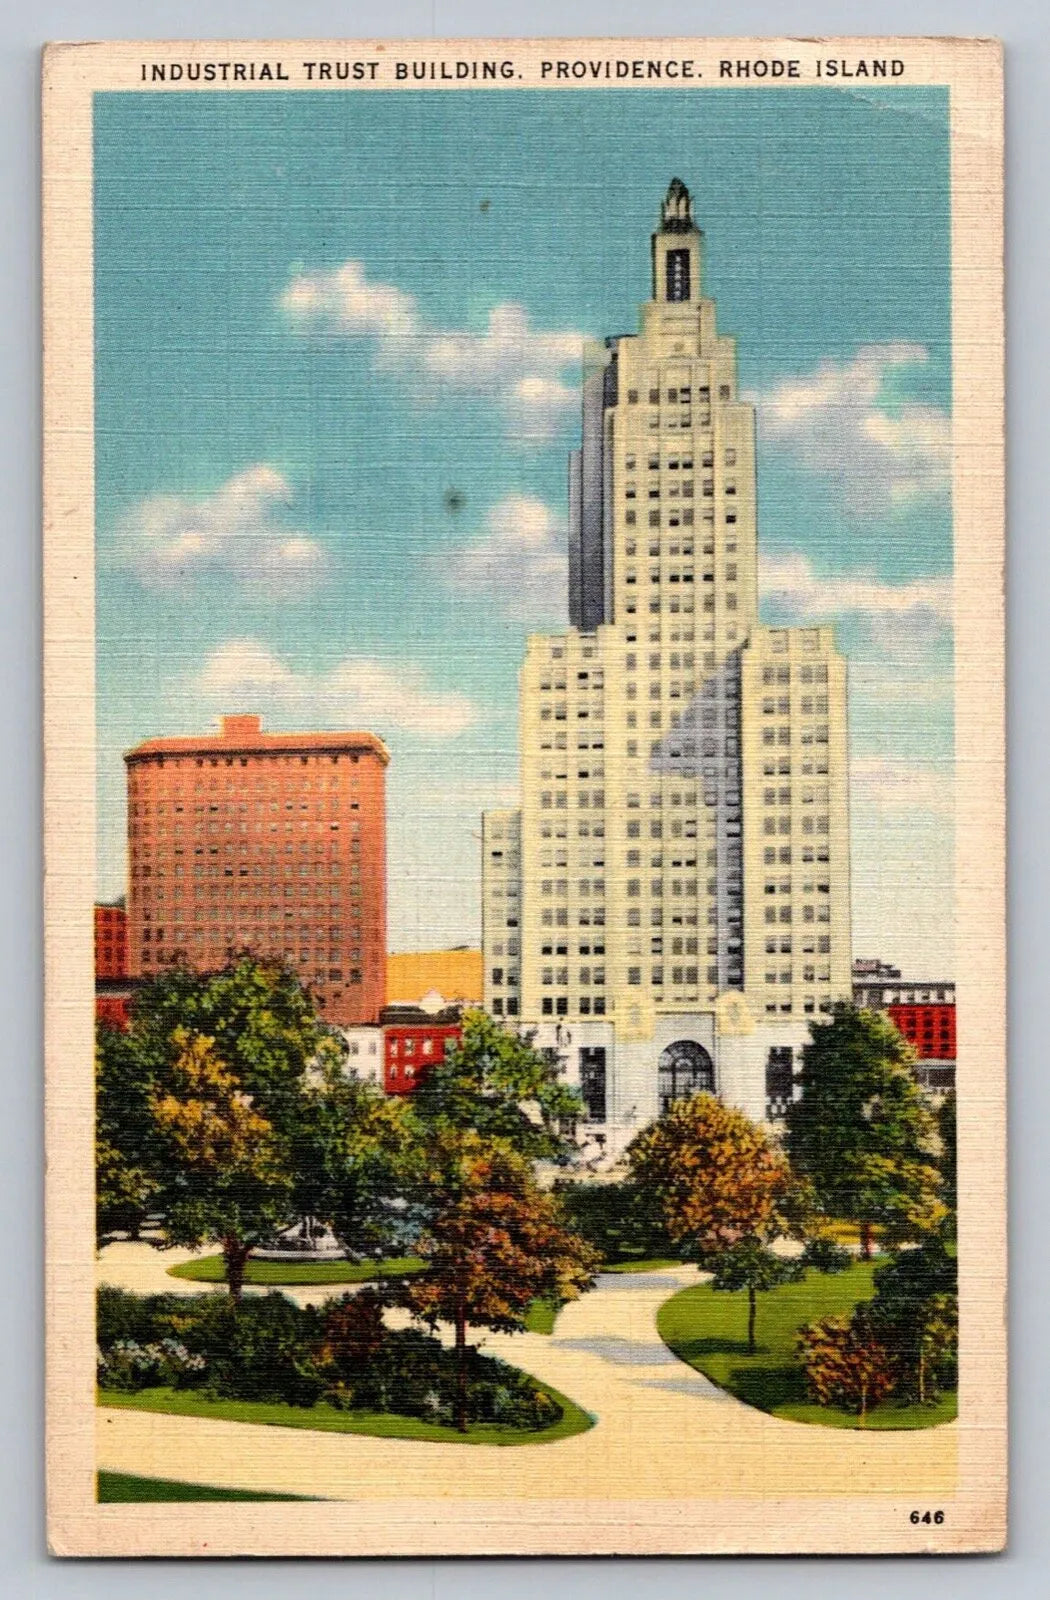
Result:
x=845 y=1363
x=129 y=1366
x=620 y=1220
x=824 y=1255
x=269 y=1348
x=916 y=1314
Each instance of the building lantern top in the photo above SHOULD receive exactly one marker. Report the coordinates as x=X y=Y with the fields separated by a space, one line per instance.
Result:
x=676 y=213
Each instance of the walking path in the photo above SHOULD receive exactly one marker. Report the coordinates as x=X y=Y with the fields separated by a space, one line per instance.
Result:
x=663 y=1430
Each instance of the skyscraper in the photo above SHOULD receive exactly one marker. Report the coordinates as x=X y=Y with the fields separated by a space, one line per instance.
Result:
x=670 y=905
x=273 y=842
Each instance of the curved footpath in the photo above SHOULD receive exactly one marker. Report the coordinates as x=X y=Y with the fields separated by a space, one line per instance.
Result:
x=662 y=1430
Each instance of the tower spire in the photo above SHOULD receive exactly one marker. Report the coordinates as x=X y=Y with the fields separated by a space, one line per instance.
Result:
x=676 y=249
x=676 y=213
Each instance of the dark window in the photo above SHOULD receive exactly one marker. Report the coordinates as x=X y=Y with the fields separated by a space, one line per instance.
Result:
x=685 y=1069
x=678 y=275
x=592 y=1082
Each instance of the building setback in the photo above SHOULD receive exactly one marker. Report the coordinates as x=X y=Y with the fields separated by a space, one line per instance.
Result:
x=670 y=905
x=112 y=987
x=275 y=843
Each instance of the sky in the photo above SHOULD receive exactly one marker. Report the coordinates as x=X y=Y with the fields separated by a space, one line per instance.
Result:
x=337 y=379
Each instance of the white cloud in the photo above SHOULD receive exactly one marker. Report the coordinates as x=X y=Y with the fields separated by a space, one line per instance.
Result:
x=893 y=787
x=526 y=372
x=899 y=616
x=357 y=693
x=836 y=421
x=520 y=562
x=240 y=529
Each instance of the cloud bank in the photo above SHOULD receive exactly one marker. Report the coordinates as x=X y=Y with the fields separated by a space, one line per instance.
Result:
x=529 y=374
x=520 y=563
x=837 y=421
x=899 y=616
x=357 y=693
x=241 y=530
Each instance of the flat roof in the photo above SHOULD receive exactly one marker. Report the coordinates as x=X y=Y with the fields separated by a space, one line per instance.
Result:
x=244 y=737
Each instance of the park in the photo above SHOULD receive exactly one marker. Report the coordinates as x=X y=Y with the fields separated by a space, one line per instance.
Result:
x=719 y=1284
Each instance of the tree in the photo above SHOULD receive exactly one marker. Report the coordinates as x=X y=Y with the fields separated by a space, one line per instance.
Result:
x=716 y=1176
x=946 y=1130
x=845 y=1363
x=355 y=1159
x=494 y=1242
x=125 y=1136
x=862 y=1133
x=227 y=1175
x=916 y=1314
x=619 y=1219
x=752 y=1266
x=497 y=1083
x=221 y=1098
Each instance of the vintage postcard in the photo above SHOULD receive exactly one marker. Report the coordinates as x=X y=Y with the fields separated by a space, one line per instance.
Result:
x=524 y=714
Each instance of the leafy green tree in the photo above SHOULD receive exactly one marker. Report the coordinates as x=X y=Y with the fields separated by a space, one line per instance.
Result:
x=861 y=1133
x=620 y=1219
x=715 y=1175
x=946 y=1129
x=224 y=1163
x=125 y=1136
x=752 y=1266
x=916 y=1314
x=496 y=1082
x=226 y=1101
x=355 y=1158
x=494 y=1242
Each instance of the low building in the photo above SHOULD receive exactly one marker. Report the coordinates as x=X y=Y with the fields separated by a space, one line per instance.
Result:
x=364 y=1053
x=455 y=974
x=414 y=1042
x=923 y=1011
x=112 y=986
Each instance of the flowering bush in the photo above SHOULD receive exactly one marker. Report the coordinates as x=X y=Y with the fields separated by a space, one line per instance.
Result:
x=129 y=1366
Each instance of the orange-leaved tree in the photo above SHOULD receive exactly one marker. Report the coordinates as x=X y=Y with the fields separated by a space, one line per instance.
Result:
x=494 y=1242
x=222 y=1160
x=846 y=1363
x=724 y=1191
x=714 y=1173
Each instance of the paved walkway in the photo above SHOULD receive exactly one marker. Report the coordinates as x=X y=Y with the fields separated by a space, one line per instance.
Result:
x=662 y=1430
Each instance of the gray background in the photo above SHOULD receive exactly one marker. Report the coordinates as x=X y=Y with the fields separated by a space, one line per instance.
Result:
x=25 y=1569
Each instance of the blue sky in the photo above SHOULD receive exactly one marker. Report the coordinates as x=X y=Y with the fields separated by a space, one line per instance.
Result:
x=336 y=371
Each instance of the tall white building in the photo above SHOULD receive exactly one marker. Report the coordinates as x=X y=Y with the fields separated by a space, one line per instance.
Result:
x=670 y=905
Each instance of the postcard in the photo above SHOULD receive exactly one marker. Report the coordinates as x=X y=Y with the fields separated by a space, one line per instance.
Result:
x=524 y=808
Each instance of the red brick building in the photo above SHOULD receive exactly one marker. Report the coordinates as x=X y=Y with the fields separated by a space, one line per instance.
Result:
x=413 y=1043
x=930 y=1028
x=112 y=985
x=111 y=942
x=271 y=842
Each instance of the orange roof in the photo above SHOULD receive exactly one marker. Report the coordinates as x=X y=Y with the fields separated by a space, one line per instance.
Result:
x=244 y=735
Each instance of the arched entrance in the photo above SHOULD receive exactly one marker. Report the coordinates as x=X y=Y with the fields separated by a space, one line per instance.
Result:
x=685 y=1068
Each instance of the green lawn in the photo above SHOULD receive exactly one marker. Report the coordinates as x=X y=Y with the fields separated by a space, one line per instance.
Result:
x=323 y=1418
x=708 y=1330
x=300 y=1274
x=124 y=1486
x=541 y=1317
x=642 y=1264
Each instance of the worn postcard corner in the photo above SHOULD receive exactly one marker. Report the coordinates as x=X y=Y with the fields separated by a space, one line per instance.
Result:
x=524 y=817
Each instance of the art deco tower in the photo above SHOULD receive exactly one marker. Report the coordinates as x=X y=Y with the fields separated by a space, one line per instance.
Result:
x=677 y=879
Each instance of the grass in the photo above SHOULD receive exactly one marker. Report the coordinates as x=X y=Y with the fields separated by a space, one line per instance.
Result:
x=297 y=1274
x=541 y=1316
x=125 y=1487
x=323 y=1418
x=707 y=1330
x=642 y=1264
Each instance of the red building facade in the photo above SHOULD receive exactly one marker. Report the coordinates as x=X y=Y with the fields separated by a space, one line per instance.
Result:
x=112 y=989
x=274 y=843
x=412 y=1048
x=930 y=1028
